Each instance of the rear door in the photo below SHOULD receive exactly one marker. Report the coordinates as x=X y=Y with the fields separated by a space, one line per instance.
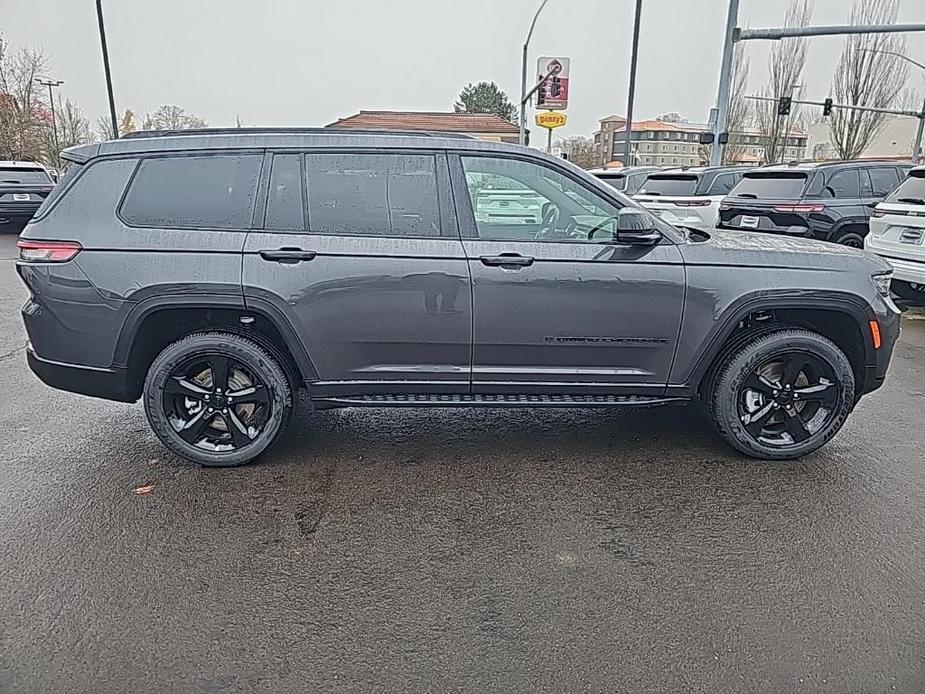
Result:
x=360 y=253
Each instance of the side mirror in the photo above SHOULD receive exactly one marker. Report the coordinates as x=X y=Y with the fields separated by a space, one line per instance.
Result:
x=636 y=228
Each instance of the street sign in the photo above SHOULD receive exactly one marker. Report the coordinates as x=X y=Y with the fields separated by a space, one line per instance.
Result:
x=555 y=90
x=550 y=119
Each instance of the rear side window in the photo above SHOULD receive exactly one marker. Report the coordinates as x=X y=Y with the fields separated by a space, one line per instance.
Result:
x=20 y=174
x=843 y=184
x=678 y=184
x=784 y=185
x=284 y=195
x=883 y=180
x=214 y=192
x=373 y=194
x=911 y=191
x=723 y=183
x=617 y=181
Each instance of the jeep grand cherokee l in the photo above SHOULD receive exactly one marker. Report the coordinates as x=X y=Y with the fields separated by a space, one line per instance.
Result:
x=212 y=274
x=830 y=201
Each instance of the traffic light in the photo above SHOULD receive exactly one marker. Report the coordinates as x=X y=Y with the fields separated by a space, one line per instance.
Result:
x=541 y=95
x=827 y=107
x=783 y=106
x=555 y=87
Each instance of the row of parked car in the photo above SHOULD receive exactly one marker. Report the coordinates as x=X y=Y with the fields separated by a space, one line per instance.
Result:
x=877 y=205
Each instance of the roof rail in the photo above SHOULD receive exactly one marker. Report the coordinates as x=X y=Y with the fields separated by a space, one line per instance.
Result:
x=141 y=134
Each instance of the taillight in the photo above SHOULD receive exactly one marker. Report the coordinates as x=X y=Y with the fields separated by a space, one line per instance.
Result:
x=799 y=208
x=692 y=203
x=47 y=251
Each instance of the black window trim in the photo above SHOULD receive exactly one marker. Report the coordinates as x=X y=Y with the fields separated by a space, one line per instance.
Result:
x=263 y=201
x=142 y=156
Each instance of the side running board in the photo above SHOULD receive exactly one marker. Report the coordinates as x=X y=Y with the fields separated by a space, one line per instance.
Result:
x=491 y=400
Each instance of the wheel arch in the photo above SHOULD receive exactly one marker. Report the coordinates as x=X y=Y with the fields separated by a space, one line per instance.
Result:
x=840 y=316
x=156 y=322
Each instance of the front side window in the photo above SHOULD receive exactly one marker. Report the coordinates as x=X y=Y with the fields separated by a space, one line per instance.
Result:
x=516 y=200
x=213 y=192
x=373 y=194
x=723 y=183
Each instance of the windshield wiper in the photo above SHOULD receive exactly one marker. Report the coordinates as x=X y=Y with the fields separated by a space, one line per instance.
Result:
x=914 y=201
x=751 y=196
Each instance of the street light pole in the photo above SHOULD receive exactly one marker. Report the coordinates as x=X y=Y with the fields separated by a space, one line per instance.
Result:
x=917 y=146
x=112 y=101
x=54 y=121
x=628 y=129
x=522 y=138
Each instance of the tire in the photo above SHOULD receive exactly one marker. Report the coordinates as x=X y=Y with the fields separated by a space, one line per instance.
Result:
x=909 y=291
x=850 y=237
x=759 y=415
x=207 y=423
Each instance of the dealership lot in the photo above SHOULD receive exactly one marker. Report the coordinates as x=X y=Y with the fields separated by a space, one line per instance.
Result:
x=458 y=550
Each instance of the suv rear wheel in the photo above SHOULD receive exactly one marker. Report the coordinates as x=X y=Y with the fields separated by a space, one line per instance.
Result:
x=217 y=398
x=782 y=394
x=853 y=237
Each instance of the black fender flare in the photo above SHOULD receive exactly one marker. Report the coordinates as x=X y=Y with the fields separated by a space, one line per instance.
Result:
x=148 y=306
x=829 y=300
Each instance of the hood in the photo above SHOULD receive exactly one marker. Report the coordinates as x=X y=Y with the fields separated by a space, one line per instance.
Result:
x=748 y=248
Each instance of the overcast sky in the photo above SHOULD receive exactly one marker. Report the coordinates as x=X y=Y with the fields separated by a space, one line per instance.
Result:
x=306 y=62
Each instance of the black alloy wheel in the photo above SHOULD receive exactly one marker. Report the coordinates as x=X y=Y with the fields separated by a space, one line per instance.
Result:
x=216 y=403
x=788 y=399
x=217 y=398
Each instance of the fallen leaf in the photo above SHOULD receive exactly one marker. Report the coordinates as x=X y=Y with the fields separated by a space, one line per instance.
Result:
x=146 y=489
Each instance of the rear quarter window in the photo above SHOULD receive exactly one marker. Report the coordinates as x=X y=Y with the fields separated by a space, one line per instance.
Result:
x=214 y=191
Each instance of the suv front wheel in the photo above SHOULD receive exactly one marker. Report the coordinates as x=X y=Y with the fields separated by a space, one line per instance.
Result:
x=782 y=394
x=217 y=398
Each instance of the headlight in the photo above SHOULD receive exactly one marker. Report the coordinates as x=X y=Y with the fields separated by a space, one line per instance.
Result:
x=882 y=282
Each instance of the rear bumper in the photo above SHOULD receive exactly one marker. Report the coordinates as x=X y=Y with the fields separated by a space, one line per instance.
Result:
x=109 y=384
x=903 y=268
x=21 y=212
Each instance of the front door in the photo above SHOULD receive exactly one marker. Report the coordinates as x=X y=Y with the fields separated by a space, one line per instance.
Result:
x=559 y=307
x=360 y=252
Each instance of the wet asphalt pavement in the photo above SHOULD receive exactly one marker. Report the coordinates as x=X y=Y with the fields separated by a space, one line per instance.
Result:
x=458 y=550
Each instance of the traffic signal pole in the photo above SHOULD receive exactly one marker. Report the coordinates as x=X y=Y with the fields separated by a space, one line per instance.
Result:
x=524 y=96
x=734 y=34
x=628 y=129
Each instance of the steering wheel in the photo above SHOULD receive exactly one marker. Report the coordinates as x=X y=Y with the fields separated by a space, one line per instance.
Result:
x=551 y=216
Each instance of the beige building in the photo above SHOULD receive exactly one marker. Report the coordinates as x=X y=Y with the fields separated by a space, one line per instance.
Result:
x=894 y=141
x=658 y=143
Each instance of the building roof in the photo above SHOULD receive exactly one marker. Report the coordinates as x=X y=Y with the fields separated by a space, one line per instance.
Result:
x=427 y=120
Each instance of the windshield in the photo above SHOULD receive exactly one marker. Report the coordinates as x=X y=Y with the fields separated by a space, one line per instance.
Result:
x=618 y=181
x=771 y=186
x=911 y=191
x=677 y=184
x=17 y=174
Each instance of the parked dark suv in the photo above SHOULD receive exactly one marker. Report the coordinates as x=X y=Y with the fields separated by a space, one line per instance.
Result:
x=214 y=273
x=830 y=201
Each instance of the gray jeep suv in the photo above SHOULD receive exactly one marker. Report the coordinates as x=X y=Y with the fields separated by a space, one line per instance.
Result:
x=214 y=273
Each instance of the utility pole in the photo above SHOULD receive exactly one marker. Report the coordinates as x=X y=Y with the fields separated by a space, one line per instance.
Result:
x=54 y=121
x=725 y=83
x=112 y=101
x=522 y=137
x=735 y=34
x=627 y=146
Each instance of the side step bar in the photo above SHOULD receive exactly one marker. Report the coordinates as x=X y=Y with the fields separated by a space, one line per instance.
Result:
x=491 y=400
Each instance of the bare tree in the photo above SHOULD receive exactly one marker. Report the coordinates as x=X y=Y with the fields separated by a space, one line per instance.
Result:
x=170 y=117
x=785 y=67
x=739 y=116
x=865 y=77
x=580 y=151
x=23 y=116
x=73 y=129
x=672 y=117
x=104 y=129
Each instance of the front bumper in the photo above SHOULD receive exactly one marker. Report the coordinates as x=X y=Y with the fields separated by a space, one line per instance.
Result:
x=109 y=384
x=888 y=319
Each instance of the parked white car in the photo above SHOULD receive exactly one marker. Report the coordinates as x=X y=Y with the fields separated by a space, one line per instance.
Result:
x=897 y=234
x=689 y=197
x=627 y=180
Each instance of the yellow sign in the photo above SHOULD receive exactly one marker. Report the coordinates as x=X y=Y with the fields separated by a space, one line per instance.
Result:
x=550 y=119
